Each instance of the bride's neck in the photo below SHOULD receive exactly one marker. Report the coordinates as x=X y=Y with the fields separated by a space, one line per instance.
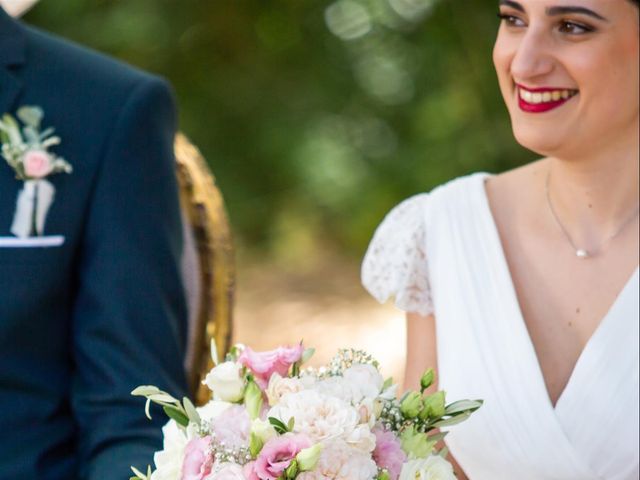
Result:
x=596 y=193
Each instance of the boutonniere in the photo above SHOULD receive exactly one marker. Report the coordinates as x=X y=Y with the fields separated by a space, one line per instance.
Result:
x=26 y=150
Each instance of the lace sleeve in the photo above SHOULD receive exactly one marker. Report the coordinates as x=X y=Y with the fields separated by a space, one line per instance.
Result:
x=395 y=263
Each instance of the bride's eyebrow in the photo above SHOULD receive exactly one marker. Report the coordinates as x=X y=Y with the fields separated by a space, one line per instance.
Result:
x=558 y=10
x=512 y=4
x=564 y=10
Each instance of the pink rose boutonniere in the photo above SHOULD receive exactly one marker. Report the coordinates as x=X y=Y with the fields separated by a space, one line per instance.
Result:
x=26 y=149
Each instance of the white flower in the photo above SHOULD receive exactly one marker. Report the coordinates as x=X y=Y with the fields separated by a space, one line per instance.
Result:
x=169 y=460
x=227 y=471
x=369 y=410
x=226 y=382
x=212 y=410
x=318 y=416
x=367 y=378
x=433 y=467
x=362 y=439
x=340 y=388
x=339 y=461
x=279 y=386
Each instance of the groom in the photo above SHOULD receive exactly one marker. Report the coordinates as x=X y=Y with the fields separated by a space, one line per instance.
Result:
x=91 y=301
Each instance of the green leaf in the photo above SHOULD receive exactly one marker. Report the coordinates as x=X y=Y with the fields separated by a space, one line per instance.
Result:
x=31 y=116
x=144 y=390
x=388 y=383
x=291 y=423
x=191 y=411
x=214 y=352
x=462 y=406
x=453 y=420
x=255 y=445
x=444 y=452
x=307 y=354
x=176 y=414
x=278 y=425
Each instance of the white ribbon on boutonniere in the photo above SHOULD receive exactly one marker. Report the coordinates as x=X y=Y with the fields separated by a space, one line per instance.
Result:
x=26 y=151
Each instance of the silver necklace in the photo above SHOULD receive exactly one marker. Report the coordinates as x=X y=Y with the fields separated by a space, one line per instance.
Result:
x=582 y=252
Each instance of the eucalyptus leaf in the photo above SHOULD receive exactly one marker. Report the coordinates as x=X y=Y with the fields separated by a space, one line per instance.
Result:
x=144 y=390
x=161 y=398
x=214 y=352
x=307 y=354
x=462 y=406
x=453 y=420
x=176 y=414
x=31 y=116
x=30 y=135
x=146 y=409
x=47 y=132
x=191 y=411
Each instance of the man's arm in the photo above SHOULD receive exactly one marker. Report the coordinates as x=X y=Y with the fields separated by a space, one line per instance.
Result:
x=129 y=319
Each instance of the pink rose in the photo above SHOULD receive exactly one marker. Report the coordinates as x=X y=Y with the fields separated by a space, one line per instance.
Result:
x=388 y=453
x=276 y=456
x=197 y=461
x=37 y=164
x=265 y=364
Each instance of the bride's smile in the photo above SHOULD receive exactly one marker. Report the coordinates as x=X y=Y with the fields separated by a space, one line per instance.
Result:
x=539 y=100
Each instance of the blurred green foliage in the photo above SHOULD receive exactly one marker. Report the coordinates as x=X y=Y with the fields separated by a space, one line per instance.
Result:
x=317 y=116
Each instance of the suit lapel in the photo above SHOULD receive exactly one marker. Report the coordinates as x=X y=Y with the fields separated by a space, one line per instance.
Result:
x=12 y=57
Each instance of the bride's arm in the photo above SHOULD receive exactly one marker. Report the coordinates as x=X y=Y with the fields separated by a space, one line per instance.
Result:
x=421 y=354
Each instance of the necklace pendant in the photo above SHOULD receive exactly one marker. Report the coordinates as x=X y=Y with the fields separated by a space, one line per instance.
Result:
x=581 y=253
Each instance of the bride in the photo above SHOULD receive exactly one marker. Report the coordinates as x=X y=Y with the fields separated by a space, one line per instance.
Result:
x=522 y=287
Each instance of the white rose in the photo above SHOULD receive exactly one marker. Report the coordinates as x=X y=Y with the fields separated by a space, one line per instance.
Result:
x=212 y=409
x=227 y=471
x=279 y=387
x=433 y=467
x=340 y=388
x=366 y=377
x=226 y=382
x=369 y=411
x=318 y=416
x=339 y=461
x=362 y=439
x=169 y=460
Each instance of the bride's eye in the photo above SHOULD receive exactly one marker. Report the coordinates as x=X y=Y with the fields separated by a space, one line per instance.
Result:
x=573 y=28
x=511 y=20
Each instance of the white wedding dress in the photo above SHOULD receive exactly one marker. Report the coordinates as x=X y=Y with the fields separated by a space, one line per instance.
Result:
x=440 y=253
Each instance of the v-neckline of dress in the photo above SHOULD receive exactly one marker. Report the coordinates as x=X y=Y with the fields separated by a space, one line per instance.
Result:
x=505 y=272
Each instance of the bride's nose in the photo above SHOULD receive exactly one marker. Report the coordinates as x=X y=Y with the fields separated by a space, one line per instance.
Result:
x=532 y=58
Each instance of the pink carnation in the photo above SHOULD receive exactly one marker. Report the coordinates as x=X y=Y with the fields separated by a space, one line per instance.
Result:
x=276 y=456
x=197 y=461
x=388 y=453
x=265 y=364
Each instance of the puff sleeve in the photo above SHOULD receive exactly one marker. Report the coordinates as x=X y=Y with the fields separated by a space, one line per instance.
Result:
x=395 y=264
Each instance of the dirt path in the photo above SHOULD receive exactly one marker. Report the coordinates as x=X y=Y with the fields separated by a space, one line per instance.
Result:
x=323 y=305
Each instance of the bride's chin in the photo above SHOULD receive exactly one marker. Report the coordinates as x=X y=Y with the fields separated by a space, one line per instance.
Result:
x=540 y=141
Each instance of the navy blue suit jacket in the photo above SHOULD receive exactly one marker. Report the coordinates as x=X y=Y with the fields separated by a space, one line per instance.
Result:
x=84 y=323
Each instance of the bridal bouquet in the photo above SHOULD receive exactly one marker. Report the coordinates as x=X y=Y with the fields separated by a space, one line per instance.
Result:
x=272 y=419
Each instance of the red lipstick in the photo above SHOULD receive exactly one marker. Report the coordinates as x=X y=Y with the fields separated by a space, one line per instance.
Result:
x=540 y=107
